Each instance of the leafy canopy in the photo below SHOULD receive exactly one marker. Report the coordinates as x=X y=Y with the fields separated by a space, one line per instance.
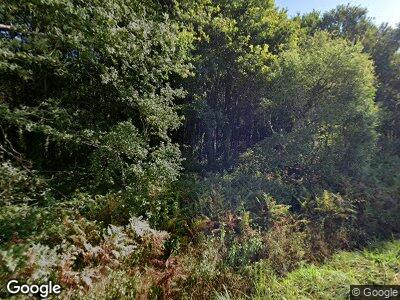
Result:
x=88 y=87
x=321 y=110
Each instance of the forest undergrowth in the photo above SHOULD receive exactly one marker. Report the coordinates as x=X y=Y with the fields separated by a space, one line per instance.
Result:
x=205 y=149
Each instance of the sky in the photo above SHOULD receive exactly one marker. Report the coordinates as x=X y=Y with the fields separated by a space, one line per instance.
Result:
x=380 y=10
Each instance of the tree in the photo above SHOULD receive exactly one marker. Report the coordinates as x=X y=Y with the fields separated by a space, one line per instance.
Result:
x=385 y=54
x=321 y=110
x=85 y=92
x=350 y=22
x=238 y=42
x=382 y=44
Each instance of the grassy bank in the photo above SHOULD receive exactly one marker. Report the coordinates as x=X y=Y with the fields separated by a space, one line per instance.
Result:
x=376 y=265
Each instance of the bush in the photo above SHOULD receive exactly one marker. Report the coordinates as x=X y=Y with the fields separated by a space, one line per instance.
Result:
x=21 y=186
x=84 y=254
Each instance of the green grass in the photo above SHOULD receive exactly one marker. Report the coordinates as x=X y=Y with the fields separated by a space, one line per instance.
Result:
x=377 y=265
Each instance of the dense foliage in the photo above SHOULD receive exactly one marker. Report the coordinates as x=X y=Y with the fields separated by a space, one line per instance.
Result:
x=196 y=149
x=322 y=94
x=241 y=41
x=86 y=92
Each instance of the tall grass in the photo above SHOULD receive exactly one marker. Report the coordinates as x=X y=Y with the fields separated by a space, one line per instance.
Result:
x=376 y=265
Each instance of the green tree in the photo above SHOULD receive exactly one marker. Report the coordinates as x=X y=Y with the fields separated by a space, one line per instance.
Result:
x=321 y=111
x=238 y=42
x=87 y=92
x=348 y=21
x=382 y=44
x=386 y=56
